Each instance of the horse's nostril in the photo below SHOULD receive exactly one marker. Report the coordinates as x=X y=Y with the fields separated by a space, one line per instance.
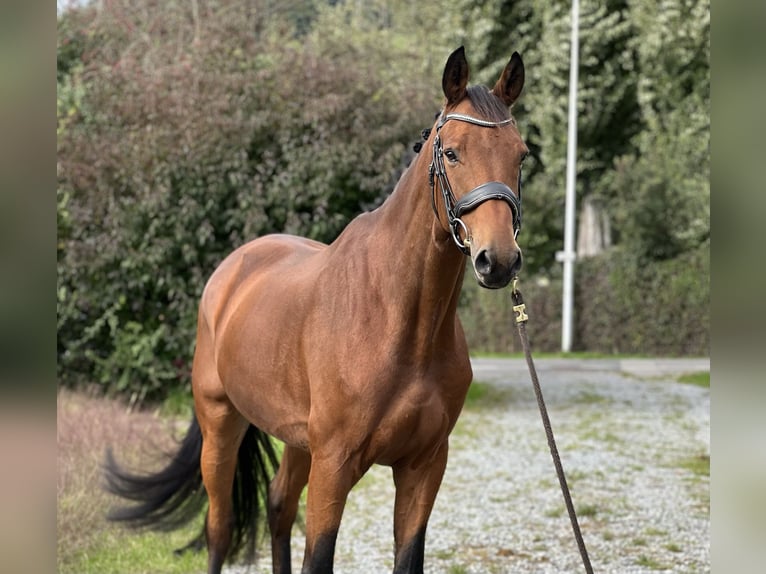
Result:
x=484 y=262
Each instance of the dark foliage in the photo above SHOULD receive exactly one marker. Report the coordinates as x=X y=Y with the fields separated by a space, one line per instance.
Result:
x=184 y=135
x=623 y=305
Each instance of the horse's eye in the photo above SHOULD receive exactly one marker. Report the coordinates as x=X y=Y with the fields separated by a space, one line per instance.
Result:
x=450 y=155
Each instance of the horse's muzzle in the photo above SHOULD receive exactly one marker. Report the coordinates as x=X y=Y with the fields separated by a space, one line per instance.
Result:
x=494 y=272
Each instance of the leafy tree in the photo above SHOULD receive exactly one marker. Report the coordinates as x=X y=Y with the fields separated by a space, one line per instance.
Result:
x=643 y=149
x=607 y=106
x=661 y=191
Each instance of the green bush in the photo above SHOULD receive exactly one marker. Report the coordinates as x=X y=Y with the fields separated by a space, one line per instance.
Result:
x=629 y=305
x=623 y=305
x=488 y=319
x=182 y=137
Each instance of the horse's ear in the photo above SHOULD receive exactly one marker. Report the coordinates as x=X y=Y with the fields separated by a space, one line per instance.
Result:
x=455 y=78
x=509 y=86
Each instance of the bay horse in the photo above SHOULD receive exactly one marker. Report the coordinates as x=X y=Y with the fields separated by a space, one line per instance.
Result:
x=351 y=354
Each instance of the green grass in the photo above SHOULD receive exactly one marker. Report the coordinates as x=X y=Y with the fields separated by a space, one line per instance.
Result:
x=701 y=379
x=481 y=395
x=556 y=355
x=587 y=510
x=179 y=403
x=444 y=554
x=86 y=542
x=587 y=397
x=554 y=513
x=122 y=552
x=699 y=465
x=651 y=563
x=477 y=392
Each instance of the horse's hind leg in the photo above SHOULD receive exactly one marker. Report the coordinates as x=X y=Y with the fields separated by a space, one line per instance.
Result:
x=284 y=495
x=222 y=431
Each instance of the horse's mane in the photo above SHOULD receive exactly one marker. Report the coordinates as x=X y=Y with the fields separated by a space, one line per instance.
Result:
x=487 y=104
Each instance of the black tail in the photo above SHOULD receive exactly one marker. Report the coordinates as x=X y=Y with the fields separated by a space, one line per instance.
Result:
x=173 y=496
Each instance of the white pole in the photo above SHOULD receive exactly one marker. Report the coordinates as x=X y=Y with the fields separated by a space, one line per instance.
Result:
x=568 y=255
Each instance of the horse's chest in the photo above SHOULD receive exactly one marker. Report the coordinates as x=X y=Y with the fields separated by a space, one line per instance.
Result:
x=415 y=421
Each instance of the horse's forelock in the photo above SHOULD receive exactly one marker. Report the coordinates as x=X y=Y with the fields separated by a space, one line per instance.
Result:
x=487 y=105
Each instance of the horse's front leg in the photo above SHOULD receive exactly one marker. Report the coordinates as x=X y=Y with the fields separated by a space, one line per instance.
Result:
x=333 y=473
x=417 y=481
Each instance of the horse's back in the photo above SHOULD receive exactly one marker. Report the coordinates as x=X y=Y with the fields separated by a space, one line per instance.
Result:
x=269 y=261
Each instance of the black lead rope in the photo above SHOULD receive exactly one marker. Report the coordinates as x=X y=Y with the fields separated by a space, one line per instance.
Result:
x=521 y=322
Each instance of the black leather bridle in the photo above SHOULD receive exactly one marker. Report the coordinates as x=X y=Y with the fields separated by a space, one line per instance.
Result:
x=455 y=208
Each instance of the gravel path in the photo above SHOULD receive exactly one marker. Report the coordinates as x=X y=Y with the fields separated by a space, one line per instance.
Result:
x=634 y=444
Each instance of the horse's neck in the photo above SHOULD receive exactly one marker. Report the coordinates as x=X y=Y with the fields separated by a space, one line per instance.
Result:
x=429 y=267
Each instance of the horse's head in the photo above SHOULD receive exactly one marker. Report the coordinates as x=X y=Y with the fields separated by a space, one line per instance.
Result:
x=477 y=157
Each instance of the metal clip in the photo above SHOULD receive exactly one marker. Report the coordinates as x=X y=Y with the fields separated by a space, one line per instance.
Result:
x=463 y=244
x=522 y=317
